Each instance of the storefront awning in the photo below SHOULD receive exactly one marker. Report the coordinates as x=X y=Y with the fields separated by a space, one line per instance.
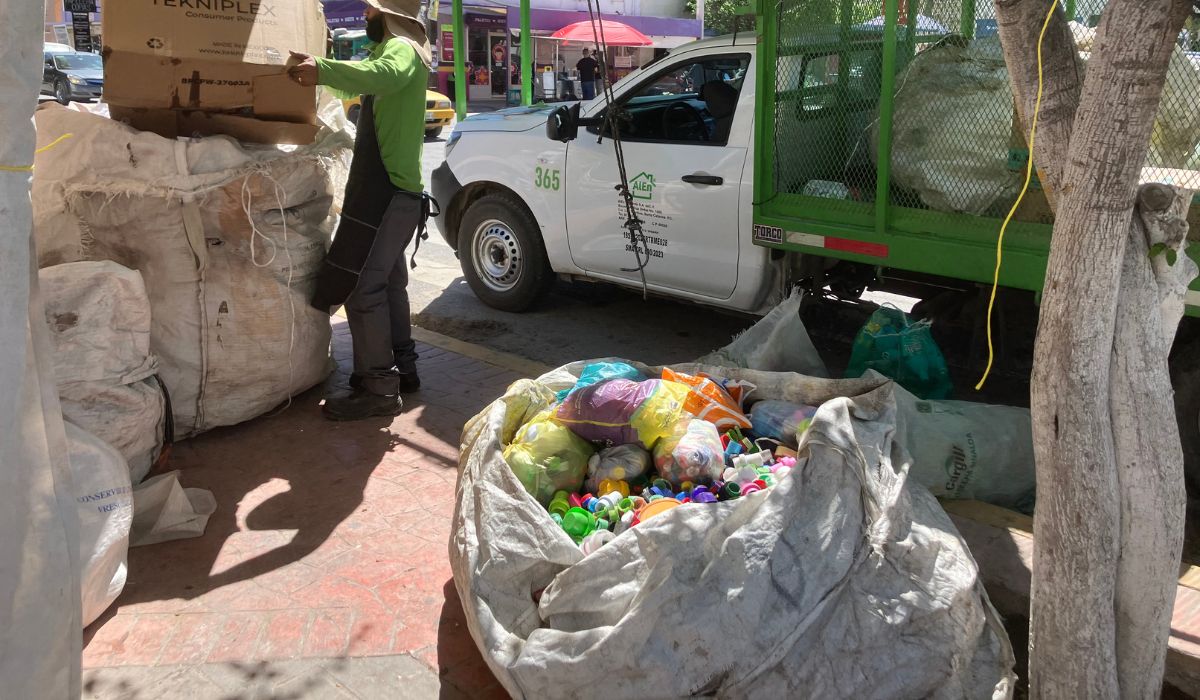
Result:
x=346 y=14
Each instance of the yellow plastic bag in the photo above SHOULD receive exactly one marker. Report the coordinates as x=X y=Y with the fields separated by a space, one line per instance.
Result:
x=547 y=457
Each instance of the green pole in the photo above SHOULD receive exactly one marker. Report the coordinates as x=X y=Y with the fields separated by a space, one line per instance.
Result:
x=967 y=27
x=526 y=56
x=1071 y=10
x=887 y=99
x=460 y=62
x=910 y=45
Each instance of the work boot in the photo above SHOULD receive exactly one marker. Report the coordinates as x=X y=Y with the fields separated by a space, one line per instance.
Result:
x=410 y=383
x=361 y=405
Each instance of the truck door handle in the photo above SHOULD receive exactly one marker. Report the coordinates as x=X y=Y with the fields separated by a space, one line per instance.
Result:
x=698 y=179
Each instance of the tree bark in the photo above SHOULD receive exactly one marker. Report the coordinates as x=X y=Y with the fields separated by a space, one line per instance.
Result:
x=1108 y=527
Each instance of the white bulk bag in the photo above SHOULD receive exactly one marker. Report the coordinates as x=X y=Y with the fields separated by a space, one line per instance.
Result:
x=99 y=318
x=101 y=482
x=845 y=580
x=228 y=238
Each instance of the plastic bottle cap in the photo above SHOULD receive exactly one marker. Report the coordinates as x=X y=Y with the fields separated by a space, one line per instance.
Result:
x=595 y=541
x=602 y=524
x=761 y=484
x=731 y=491
x=578 y=523
x=625 y=505
x=687 y=486
x=638 y=502
x=656 y=508
x=749 y=489
x=574 y=501
x=705 y=497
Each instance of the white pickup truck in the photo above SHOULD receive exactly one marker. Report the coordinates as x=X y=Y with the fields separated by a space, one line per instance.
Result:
x=520 y=207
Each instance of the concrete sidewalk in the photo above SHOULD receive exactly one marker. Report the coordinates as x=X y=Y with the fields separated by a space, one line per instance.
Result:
x=324 y=572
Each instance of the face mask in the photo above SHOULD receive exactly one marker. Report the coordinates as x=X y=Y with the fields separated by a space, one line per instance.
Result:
x=376 y=31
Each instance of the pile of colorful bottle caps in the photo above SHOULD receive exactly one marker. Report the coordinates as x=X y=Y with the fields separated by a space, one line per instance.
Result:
x=594 y=520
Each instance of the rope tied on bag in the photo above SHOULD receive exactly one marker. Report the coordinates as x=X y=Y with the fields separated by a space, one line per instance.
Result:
x=43 y=149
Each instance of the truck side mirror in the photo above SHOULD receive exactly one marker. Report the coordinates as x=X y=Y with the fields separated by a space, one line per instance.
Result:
x=563 y=123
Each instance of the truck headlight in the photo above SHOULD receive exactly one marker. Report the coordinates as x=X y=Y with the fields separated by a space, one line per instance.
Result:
x=444 y=104
x=76 y=80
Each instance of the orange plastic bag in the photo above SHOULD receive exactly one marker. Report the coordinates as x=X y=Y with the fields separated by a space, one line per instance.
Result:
x=708 y=400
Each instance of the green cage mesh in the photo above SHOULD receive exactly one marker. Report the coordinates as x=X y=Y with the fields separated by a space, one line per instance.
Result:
x=955 y=147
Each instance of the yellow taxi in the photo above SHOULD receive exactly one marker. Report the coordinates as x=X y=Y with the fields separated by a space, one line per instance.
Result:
x=439 y=112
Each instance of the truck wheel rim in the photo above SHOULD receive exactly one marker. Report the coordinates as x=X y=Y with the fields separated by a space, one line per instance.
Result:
x=497 y=257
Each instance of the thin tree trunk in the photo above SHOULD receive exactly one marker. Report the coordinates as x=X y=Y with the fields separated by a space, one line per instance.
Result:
x=1146 y=437
x=1109 y=519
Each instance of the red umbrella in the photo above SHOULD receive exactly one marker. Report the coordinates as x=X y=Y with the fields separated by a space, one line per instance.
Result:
x=614 y=34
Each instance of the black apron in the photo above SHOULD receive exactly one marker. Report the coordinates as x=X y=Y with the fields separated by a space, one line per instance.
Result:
x=369 y=192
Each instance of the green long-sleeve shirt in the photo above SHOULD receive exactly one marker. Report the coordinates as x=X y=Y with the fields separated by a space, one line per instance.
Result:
x=396 y=77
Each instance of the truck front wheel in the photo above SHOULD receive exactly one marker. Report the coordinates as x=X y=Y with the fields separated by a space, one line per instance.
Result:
x=502 y=254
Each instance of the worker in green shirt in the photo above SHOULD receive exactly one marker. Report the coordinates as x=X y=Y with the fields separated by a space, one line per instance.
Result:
x=384 y=206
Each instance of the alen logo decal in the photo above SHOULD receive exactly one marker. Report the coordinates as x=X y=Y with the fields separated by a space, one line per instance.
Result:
x=642 y=186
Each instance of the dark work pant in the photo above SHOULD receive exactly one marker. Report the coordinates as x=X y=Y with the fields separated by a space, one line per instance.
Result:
x=378 y=309
x=589 y=89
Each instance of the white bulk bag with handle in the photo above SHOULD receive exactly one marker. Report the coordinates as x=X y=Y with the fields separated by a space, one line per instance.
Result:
x=845 y=580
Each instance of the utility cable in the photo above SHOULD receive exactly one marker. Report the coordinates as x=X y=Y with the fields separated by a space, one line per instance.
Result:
x=1037 y=109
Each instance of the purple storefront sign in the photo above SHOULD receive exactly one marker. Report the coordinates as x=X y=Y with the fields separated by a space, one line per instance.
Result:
x=347 y=14
x=553 y=20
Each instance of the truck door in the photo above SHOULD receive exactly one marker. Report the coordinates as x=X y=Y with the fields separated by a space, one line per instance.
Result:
x=686 y=143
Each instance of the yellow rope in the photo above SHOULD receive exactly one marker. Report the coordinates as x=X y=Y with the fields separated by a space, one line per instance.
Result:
x=43 y=149
x=1037 y=109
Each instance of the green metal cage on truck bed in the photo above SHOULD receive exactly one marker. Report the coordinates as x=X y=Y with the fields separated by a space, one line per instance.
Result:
x=886 y=137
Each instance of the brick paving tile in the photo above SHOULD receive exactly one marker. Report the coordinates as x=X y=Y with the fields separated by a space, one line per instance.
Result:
x=329 y=541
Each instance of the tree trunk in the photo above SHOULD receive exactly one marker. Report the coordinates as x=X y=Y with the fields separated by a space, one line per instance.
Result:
x=1108 y=527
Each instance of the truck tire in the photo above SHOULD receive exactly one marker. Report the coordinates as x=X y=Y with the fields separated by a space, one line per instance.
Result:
x=1185 y=378
x=433 y=133
x=502 y=254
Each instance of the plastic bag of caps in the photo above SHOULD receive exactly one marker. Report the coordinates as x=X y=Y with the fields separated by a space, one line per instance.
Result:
x=844 y=579
x=693 y=453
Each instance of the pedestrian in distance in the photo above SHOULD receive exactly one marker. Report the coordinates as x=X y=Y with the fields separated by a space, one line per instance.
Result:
x=588 y=68
x=384 y=207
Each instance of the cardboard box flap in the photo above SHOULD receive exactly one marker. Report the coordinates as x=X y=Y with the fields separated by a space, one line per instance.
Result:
x=236 y=31
x=134 y=80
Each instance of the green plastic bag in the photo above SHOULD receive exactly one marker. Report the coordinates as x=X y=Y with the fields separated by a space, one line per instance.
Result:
x=903 y=350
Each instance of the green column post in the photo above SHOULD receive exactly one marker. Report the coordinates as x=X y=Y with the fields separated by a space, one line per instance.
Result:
x=526 y=56
x=887 y=99
x=1070 y=10
x=910 y=31
x=460 y=62
x=967 y=25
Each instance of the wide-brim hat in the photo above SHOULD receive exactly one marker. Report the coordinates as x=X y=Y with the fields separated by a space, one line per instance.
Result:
x=402 y=22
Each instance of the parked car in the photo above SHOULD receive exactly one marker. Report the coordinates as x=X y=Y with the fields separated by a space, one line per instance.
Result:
x=73 y=76
x=51 y=47
x=439 y=112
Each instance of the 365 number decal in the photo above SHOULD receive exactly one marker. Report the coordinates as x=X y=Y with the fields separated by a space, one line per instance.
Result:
x=547 y=179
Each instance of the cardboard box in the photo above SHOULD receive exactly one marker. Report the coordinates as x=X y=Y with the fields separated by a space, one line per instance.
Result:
x=172 y=123
x=211 y=55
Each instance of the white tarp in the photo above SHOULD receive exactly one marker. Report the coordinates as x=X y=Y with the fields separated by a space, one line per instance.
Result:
x=99 y=317
x=228 y=238
x=39 y=539
x=844 y=581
